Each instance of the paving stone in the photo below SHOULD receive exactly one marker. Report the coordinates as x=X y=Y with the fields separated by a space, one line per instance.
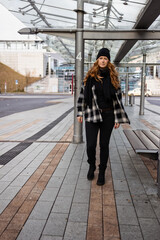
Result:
x=144 y=210
x=75 y=163
x=56 y=224
x=137 y=160
x=135 y=186
x=60 y=172
x=127 y=215
x=120 y=185
x=29 y=171
x=146 y=178
x=66 y=190
x=75 y=231
x=73 y=170
x=79 y=212
x=131 y=174
x=20 y=181
x=96 y=204
x=109 y=212
x=3 y=185
x=141 y=168
x=132 y=154
x=121 y=148
x=83 y=183
x=64 y=163
x=46 y=237
x=95 y=218
x=111 y=230
x=114 y=159
x=150 y=188
x=155 y=202
x=2 y=174
x=12 y=174
x=4 y=204
x=94 y=232
x=108 y=199
x=129 y=232
x=117 y=175
x=127 y=165
x=49 y=194
x=150 y=228
x=83 y=173
x=126 y=157
x=116 y=167
x=141 y=198
x=31 y=230
x=62 y=205
x=70 y=179
x=85 y=165
x=123 y=198
x=41 y=210
x=81 y=196
x=9 y=193
x=55 y=182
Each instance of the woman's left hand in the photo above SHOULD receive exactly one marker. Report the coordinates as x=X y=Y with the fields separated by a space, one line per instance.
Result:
x=116 y=125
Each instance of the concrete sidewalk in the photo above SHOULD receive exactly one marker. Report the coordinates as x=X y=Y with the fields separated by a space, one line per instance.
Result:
x=44 y=192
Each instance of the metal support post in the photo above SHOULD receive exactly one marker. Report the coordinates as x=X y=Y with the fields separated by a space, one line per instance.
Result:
x=79 y=70
x=154 y=72
x=49 y=65
x=89 y=60
x=143 y=79
x=126 y=87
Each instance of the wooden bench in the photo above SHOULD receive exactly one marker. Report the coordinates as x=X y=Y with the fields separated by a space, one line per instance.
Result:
x=147 y=143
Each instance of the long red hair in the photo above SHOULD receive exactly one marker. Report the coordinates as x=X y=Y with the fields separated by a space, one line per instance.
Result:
x=94 y=72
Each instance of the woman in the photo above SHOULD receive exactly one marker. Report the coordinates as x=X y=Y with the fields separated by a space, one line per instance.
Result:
x=100 y=100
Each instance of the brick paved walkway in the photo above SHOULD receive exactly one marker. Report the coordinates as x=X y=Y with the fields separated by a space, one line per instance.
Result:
x=44 y=193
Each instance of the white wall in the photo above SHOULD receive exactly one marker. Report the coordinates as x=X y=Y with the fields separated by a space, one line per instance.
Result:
x=24 y=62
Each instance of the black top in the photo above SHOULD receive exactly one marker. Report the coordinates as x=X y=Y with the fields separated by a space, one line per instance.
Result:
x=104 y=90
x=102 y=102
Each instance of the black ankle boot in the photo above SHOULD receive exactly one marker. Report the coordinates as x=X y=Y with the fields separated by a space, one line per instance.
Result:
x=90 y=174
x=101 y=177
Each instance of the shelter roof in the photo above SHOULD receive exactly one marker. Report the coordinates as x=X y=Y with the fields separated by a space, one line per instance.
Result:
x=100 y=14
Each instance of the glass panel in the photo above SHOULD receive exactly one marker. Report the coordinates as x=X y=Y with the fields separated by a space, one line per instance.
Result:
x=110 y=14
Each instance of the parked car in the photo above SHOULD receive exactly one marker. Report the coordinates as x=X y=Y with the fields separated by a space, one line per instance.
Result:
x=137 y=92
x=148 y=93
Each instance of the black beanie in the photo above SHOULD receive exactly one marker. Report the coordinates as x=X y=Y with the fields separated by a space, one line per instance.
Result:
x=104 y=52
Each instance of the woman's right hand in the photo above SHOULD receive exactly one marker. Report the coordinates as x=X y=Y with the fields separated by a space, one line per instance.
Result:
x=80 y=119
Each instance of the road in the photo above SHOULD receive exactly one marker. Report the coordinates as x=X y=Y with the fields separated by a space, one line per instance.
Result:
x=13 y=103
x=154 y=100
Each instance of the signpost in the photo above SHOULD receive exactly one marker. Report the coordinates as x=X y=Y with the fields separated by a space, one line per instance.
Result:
x=16 y=82
x=5 y=87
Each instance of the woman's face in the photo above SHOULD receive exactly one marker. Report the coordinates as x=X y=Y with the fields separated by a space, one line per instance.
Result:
x=102 y=61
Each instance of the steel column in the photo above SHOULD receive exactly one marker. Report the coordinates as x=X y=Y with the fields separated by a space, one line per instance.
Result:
x=89 y=60
x=79 y=66
x=49 y=65
x=141 y=111
x=126 y=87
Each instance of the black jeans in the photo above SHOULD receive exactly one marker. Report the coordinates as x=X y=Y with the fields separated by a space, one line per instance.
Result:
x=105 y=129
